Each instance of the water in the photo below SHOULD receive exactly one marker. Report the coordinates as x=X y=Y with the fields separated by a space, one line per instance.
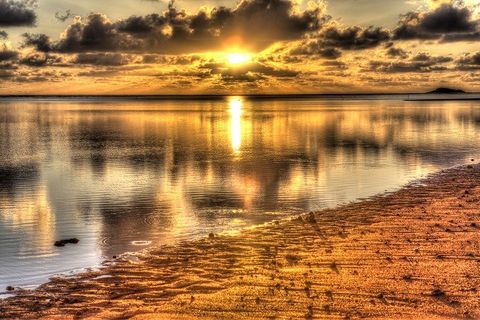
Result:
x=122 y=175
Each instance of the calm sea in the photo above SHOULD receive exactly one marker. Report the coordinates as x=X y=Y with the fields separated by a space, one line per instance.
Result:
x=122 y=175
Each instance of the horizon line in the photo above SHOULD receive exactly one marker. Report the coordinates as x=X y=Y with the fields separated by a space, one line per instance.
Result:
x=213 y=95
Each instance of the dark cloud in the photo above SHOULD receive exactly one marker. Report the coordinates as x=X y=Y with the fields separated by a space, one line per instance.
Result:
x=334 y=65
x=316 y=48
x=468 y=37
x=447 y=19
x=6 y=74
x=422 y=62
x=254 y=24
x=40 y=42
x=35 y=60
x=397 y=53
x=469 y=62
x=38 y=75
x=426 y=57
x=62 y=17
x=17 y=13
x=442 y=21
x=7 y=55
x=40 y=60
x=331 y=40
x=103 y=59
x=354 y=38
x=97 y=33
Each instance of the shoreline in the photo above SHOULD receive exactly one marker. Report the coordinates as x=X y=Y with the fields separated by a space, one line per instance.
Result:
x=412 y=253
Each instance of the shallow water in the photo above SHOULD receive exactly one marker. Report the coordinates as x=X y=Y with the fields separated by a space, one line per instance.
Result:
x=122 y=175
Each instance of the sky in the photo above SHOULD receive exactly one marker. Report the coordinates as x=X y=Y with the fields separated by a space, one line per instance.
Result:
x=238 y=47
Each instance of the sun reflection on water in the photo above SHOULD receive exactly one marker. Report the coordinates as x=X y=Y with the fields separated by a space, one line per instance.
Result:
x=236 y=106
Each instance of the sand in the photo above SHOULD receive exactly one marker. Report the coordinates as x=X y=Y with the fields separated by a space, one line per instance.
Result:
x=412 y=254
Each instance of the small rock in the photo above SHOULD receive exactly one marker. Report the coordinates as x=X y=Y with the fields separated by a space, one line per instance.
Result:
x=407 y=277
x=10 y=288
x=292 y=258
x=437 y=293
x=329 y=294
x=309 y=314
x=211 y=235
x=62 y=243
x=311 y=218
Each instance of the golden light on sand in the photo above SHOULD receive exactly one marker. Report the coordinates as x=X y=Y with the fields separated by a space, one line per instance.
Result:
x=236 y=105
x=236 y=58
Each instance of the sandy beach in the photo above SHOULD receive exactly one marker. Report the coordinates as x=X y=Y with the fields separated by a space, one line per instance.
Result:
x=410 y=254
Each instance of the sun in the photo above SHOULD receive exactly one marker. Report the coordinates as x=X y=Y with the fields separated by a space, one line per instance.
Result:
x=238 y=58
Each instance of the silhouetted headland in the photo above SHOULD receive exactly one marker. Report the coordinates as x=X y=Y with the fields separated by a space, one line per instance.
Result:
x=444 y=94
x=444 y=90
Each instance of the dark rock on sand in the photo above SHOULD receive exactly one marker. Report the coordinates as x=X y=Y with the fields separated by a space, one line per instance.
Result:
x=62 y=243
x=437 y=293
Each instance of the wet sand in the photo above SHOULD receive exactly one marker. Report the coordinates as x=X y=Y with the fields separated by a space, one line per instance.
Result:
x=412 y=254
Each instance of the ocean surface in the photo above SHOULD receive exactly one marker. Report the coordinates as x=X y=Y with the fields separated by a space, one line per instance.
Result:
x=125 y=174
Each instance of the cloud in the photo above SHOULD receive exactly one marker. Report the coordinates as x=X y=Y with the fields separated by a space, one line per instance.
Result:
x=442 y=21
x=396 y=53
x=62 y=17
x=251 y=25
x=467 y=37
x=7 y=55
x=170 y=59
x=426 y=57
x=334 y=65
x=354 y=38
x=469 y=62
x=316 y=48
x=35 y=60
x=41 y=42
x=40 y=60
x=329 y=42
x=249 y=72
x=103 y=59
x=422 y=62
x=17 y=13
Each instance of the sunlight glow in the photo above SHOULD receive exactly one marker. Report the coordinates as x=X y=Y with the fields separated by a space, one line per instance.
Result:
x=238 y=58
x=236 y=105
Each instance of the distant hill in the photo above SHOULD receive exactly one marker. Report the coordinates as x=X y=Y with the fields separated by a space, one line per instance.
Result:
x=446 y=91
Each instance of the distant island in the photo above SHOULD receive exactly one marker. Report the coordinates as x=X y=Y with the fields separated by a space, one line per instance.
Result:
x=451 y=95
x=447 y=91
